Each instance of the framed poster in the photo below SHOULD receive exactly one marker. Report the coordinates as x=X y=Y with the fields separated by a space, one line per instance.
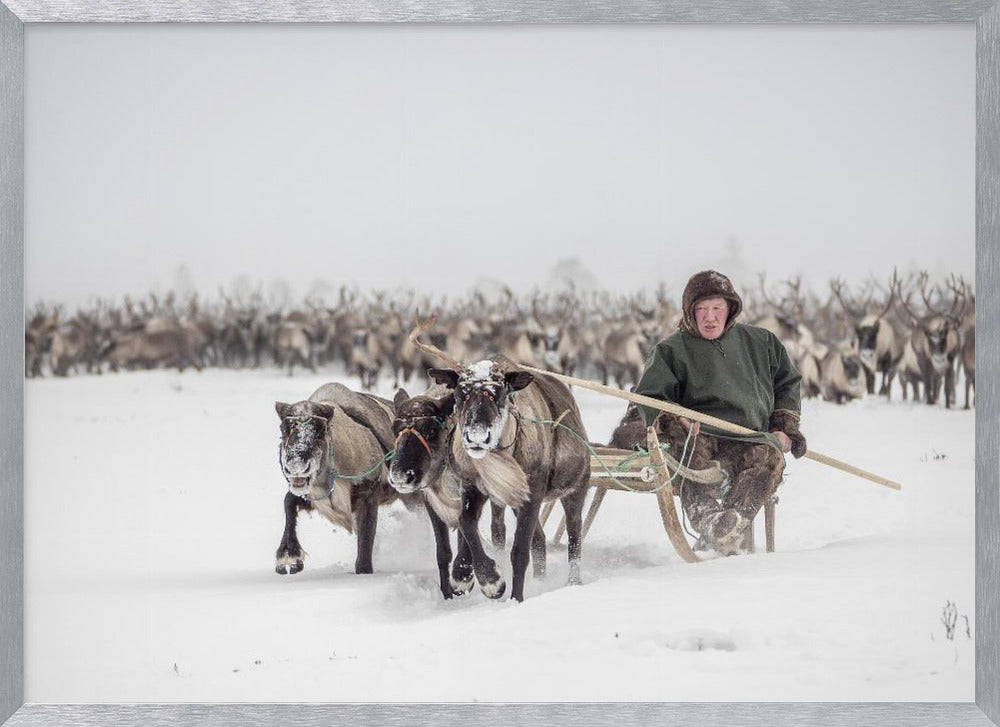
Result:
x=525 y=49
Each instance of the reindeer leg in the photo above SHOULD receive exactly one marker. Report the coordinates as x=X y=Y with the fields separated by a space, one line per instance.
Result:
x=498 y=529
x=573 y=510
x=869 y=380
x=527 y=523
x=366 y=520
x=949 y=386
x=485 y=568
x=538 y=551
x=289 y=555
x=461 y=568
x=443 y=547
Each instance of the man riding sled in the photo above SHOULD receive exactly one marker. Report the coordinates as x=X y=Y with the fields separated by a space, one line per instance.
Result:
x=736 y=372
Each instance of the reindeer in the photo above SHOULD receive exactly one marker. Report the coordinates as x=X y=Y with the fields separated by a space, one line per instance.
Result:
x=875 y=339
x=293 y=344
x=423 y=428
x=969 y=360
x=809 y=363
x=38 y=330
x=786 y=319
x=930 y=352
x=968 y=335
x=498 y=453
x=332 y=454
x=142 y=349
x=627 y=345
x=843 y=376
x=75 y=343
x=550 y=338
x=366 y=357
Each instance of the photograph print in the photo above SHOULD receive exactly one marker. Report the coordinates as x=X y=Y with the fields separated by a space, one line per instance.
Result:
x=431 y=363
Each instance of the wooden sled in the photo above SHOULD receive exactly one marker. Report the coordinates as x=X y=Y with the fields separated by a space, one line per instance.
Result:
x=651 y=472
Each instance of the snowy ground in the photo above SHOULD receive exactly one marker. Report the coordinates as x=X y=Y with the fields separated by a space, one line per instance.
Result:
x=153 y=509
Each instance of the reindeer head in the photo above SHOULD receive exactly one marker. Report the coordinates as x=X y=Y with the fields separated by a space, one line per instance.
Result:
x=852 y=371
x=939 y=327
x=481 y=395
x=304 y=452
x=482 y=402
x=421 y=427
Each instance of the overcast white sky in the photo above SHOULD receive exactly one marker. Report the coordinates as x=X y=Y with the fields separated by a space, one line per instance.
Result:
x=436 y=156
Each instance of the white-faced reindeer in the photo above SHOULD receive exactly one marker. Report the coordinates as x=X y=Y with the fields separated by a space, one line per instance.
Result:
x=875 y=340
x=499 y=451
x=930 y=352
x=332 y=452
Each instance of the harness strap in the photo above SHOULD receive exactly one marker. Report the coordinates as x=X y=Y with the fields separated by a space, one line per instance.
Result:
x=418 y=435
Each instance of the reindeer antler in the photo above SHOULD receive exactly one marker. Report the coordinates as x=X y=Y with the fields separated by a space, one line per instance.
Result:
x=905 y=300
x=837 y=286
x=893 y=286
x=958 y=288
x=422 y=328
x=763 y=291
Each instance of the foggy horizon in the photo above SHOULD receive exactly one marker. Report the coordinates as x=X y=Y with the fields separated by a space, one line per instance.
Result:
x=441 y=158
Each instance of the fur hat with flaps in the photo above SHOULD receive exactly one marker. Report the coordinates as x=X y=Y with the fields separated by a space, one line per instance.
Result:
x=708 y=284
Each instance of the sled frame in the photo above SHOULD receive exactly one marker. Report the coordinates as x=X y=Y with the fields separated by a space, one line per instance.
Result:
x=657 y=481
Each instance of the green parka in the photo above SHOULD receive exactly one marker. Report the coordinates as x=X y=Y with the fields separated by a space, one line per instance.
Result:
x=743 y=377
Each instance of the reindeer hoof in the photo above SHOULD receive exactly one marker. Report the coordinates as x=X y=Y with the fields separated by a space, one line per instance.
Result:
x=494 y=588
x=288 y=565
x=460 y=587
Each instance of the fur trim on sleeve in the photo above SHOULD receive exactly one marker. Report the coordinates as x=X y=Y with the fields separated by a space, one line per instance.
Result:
x=787 y=421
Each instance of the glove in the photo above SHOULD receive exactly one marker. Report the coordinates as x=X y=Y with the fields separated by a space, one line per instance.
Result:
x=670 y=427
x=787 y=421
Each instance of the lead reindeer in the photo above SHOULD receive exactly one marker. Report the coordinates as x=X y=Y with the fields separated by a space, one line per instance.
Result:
x=500 y=452
x=332 y=453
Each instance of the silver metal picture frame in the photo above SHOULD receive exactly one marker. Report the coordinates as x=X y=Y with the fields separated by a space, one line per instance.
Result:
x=15 y=14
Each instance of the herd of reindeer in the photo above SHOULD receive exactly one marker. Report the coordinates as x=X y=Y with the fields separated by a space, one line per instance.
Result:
x=850 y=341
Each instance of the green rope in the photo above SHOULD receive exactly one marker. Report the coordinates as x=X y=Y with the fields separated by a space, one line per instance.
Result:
x=638 y=454
x=593 y=453
x=334 y=475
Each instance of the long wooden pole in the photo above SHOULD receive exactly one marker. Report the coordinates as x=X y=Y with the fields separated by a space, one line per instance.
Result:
x=722 y=424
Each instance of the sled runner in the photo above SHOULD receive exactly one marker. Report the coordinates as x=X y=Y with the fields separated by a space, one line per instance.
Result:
x=654 y=472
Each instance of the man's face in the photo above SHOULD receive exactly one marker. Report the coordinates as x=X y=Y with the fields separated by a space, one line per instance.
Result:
x=710 y=316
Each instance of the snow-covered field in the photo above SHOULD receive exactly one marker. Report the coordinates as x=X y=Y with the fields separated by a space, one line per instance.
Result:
x=153 y=510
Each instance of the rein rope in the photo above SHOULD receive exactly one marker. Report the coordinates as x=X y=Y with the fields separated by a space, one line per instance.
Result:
x=621 y=465
x=333 y=474
x=412 y=429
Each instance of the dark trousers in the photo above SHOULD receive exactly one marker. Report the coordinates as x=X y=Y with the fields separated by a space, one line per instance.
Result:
x=754 y=471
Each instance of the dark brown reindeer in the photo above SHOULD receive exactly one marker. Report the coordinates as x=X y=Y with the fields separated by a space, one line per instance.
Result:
x=499 y=452
x=332 y=454
x=423 y=430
